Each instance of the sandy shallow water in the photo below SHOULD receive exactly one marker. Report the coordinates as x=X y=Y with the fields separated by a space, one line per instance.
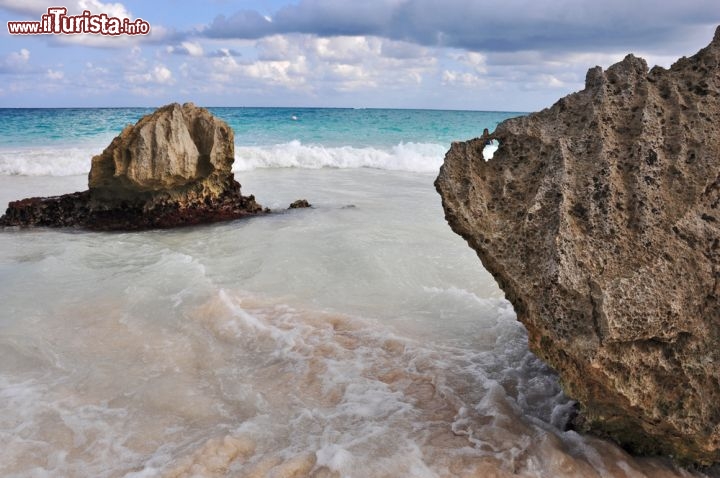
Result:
x=360 y=338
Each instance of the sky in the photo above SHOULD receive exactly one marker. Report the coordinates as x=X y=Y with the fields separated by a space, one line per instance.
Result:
x=514 y=55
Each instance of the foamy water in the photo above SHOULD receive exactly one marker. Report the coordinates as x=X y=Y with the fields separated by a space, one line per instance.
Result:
x=360 y=338
x=74 y=160
x=402 y=157
x=47 y=160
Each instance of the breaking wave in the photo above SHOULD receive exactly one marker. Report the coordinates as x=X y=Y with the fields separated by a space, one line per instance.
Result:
x=47 y=160
x=420 y=157
x=70 y=161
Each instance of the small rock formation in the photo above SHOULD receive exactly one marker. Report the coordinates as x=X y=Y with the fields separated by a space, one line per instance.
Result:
x=600 y=219
x=172 y=168
x=300 y=203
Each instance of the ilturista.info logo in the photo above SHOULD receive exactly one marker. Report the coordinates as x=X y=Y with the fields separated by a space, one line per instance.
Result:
x=57 y=22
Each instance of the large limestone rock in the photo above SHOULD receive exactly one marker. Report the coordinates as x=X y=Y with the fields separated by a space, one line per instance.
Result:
x=175 y=147
x=172 y=168
x=600 y=219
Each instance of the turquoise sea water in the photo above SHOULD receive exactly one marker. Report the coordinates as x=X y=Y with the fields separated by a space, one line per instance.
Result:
x=259 y=126
x=58 y=142
x=360 y=338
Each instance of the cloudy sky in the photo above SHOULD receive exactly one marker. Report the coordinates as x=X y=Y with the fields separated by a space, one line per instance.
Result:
x=510 y=55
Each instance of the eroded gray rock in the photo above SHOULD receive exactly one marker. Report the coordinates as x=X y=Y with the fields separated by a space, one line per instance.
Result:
x=600 y=219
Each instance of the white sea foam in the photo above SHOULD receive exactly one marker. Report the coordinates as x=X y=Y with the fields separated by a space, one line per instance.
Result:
x=46 y=160
x=68 y=161
x=422 y=157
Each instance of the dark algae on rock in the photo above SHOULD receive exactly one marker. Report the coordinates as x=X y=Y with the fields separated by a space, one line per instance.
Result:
x=172 y=168
x=600 y=219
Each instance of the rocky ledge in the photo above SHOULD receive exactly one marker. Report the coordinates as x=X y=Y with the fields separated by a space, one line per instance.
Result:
x=172 y=168
x=600 y=219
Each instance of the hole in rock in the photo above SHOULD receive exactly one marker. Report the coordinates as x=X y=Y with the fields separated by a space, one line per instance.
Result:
x=490 y=148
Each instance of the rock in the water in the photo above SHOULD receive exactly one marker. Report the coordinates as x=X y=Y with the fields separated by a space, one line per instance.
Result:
x=172 y=168
x=300 y=203
x=600 y=219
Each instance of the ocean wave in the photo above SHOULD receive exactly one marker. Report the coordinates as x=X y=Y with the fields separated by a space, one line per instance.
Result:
x=46 y=161
x=421 y=157
x=69 y=161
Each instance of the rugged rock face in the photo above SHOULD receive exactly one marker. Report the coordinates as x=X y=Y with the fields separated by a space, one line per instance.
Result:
x=172 y=168
x=600 y=219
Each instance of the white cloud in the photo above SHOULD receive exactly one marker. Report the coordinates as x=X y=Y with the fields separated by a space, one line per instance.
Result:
x=346 y=71
x=274 y=71
x=159 y=74
x=277 y=47
x=16 y=62
x=158 y=34
x=111 y=9
x=301 y=66
x=90 y=67
x=186 y=48
x=278 y=72
x=552 y=81
x=423 y=52
x=351 y=63
x=352 y=77
x=55 y=74
x=516 y=25
x=23 y=56
x=352 y=50
x=476 y=61
x=193 y=49
x=464 y=79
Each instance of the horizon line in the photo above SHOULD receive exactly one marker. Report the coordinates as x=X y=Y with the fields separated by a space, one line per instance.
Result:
x=257 y=107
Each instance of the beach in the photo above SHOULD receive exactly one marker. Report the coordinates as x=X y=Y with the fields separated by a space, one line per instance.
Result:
x=357 y=338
